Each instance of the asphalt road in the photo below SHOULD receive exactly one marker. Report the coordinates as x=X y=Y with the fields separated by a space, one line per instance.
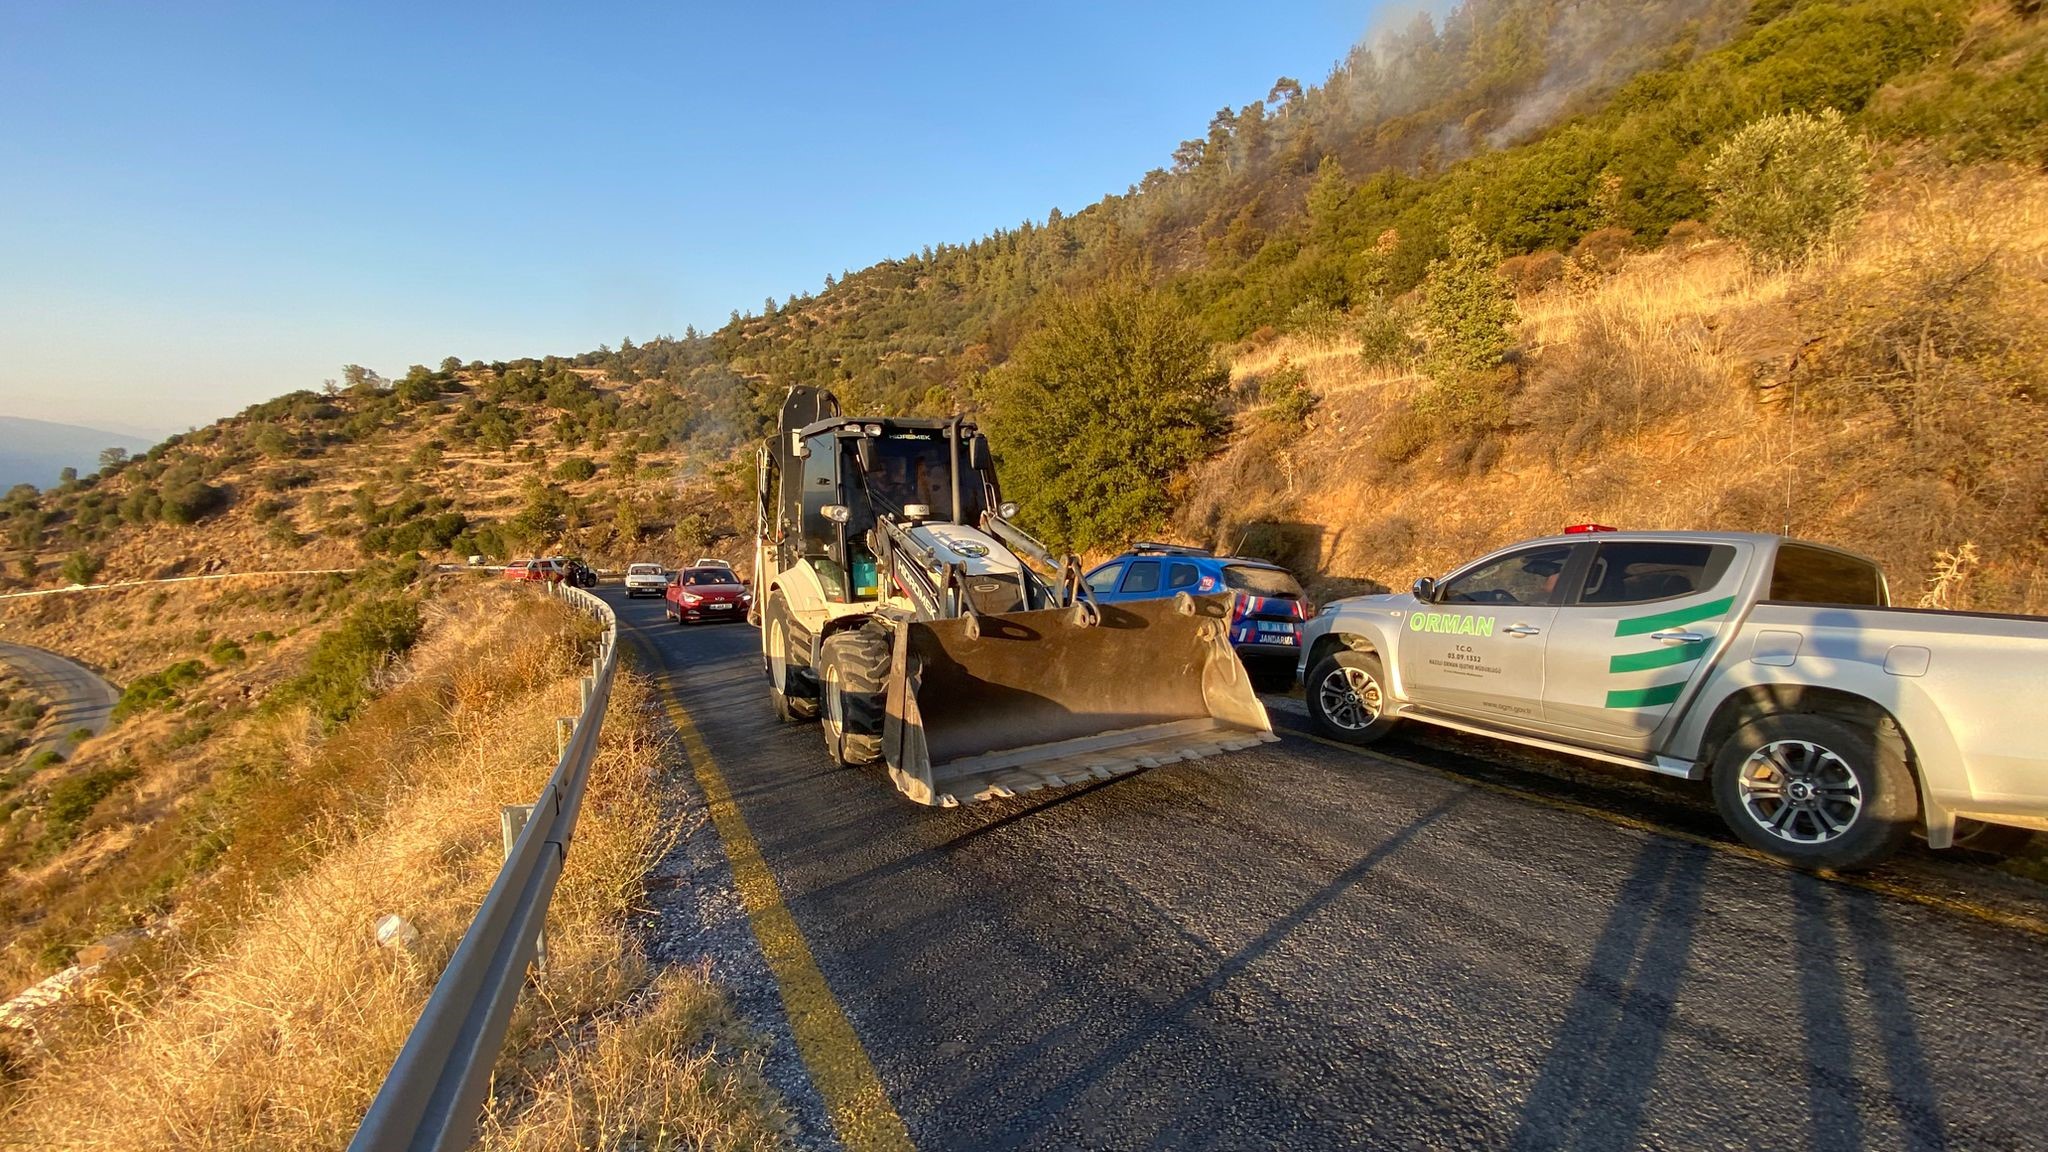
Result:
x=78 y=697
x=1303 y=947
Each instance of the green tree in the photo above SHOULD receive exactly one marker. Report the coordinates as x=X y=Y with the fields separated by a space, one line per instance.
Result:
x=1468 y=308
x=1102 y=406
x=111 y=459
x=1784 y=185
x=575 y=468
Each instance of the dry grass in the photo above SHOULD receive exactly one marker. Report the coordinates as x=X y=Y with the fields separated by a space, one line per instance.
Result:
x=1887 y=398
x=274 y=1030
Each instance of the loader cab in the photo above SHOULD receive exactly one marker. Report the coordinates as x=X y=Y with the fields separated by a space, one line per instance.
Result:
x=868 y=469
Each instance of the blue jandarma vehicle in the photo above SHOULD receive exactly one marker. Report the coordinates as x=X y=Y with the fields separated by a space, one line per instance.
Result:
x=1267 y=611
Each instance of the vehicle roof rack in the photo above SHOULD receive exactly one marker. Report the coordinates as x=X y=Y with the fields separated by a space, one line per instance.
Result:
x=1157 y=548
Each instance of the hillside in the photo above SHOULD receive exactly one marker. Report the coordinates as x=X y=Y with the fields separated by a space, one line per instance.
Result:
x=1573 y=138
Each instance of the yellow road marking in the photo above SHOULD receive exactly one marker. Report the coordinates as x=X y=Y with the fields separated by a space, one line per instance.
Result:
x=854 y=1097
x=2018 y=921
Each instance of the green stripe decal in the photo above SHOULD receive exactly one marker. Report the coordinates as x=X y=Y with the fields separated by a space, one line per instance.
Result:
x=1645 y=697
x=1676 y=618
x=1657 y=658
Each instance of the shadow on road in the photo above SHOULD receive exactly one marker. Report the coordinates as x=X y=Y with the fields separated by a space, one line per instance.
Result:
x=1600 y=1068
x=1176 y=1012
x=1839 y=1105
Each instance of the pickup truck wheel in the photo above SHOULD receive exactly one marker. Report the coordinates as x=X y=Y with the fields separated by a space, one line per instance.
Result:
x=1347 y=697
x=789 y=664
x=1817 y=792
x=854 y=684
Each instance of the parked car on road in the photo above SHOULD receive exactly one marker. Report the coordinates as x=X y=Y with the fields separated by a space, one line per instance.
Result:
x=651 y=579
x=1267 y=611
x=532 y=570
x=706 y=592
x=1830 y=724
x=573 y=571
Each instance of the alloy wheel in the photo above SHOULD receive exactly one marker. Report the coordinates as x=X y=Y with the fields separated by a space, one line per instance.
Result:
x=1800 y=792
x=1350 y=699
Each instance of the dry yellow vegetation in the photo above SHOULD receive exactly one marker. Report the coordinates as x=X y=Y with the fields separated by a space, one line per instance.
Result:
x=264 y=1013
x=1887 y=397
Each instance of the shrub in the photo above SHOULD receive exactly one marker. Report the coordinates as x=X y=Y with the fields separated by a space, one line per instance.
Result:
x=281 y=533
x=1534 y=272
x=575 y=468
x=158 y=689
x=225 y=653
x=190 y=502
x=1383 y=340
x=1288 y=398
x=1603 y=249
x=1316 y=322
x=82 y=568
x=1468 y=403
x=72 y=800
x=337 y=677
x=1786 y=184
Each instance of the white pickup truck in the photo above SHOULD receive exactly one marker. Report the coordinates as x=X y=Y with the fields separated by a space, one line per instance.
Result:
x=1831 y=725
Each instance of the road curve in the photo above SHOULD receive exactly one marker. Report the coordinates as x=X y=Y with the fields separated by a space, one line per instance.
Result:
x=78 y=697
x=1302 y=947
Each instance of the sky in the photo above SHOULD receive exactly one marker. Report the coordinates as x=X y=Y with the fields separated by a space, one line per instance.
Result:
x=206 y=205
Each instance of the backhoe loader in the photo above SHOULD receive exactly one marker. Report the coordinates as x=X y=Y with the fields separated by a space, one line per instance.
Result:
x=900 y=606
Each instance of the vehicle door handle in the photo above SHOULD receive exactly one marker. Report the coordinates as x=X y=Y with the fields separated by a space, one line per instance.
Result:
x=1522 y=630
x=1679 y=637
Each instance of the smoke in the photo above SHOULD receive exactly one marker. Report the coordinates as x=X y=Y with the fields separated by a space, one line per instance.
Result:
x=1593 y=47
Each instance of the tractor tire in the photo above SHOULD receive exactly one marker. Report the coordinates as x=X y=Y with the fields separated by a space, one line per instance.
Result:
x=853 y=689
x=1817 y=791
x=790 y=680
x=1348 y=699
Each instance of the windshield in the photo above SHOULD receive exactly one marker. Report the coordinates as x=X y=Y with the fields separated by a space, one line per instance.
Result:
x=1261 y=581
x=644 y=570
x=697 y=576
x=911 y=467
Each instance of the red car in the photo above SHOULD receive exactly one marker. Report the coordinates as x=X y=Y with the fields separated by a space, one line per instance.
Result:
x=532 y=570
x=705 y=592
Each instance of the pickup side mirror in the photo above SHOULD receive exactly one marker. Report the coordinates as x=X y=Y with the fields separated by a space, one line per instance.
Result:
x=1425 y=590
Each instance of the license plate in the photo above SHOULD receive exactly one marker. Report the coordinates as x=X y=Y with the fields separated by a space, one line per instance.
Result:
x=718 y=607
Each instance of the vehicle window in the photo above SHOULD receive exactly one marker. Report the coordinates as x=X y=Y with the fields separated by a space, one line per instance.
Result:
x=1180 y=575
x=1636 y=572
x=1804 y=574
x=912 y=467
x=1261 y=581
x=1103 y=579
x=710 y=576
x=820 y=489
x=1525 y=577
x=645 y=570
x=1143 y=577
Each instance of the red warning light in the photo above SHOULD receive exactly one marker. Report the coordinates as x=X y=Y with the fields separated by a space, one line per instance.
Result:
x=1575 y=529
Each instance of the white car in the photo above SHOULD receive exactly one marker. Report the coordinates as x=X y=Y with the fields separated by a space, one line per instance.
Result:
x=651 y=579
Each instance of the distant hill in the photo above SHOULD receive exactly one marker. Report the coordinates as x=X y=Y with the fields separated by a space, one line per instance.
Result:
x=35 y=451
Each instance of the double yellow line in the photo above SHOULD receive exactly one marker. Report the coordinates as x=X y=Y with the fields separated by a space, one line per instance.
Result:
x=845 y=1077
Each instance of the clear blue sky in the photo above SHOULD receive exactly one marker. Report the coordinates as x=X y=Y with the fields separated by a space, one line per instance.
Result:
x=204 y=205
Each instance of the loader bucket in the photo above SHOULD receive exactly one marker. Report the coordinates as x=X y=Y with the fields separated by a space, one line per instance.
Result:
x=1039 y=700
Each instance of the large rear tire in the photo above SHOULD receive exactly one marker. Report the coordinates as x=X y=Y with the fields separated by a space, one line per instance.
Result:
x=1348 y=698
x=788 y=648
x=1817 y=792
x=853 y=683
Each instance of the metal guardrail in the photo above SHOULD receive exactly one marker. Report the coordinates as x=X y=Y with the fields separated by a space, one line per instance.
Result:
x=433 y=1096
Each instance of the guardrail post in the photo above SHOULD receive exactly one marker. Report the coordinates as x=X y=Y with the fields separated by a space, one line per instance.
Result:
x=565 y=727
x=512 y=820
x=588 y=684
